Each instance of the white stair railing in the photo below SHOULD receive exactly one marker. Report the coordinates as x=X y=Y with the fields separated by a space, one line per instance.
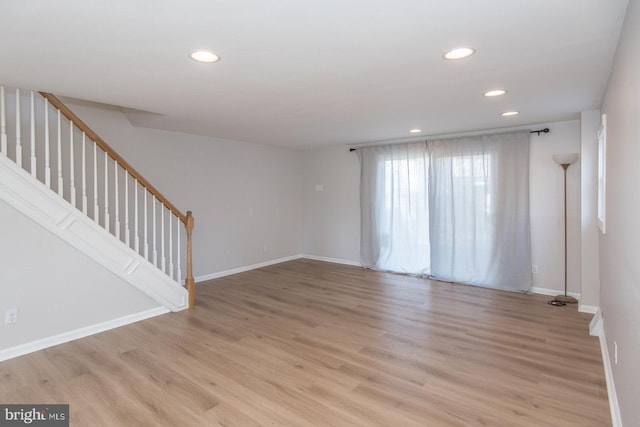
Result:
x=105 y=178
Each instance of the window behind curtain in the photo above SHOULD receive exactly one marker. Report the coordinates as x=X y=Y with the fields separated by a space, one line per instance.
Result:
x=455 y=209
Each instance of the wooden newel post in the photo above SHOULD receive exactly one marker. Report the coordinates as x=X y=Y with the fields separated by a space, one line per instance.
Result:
x=189 y=281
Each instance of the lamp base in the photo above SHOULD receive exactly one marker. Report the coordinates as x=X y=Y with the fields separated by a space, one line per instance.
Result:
x=566 y=299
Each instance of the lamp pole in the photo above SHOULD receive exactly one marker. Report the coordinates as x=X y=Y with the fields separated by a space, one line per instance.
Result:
x=564 y=160
x=565 y=298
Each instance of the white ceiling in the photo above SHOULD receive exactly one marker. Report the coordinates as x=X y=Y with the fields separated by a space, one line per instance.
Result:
x=310 y=73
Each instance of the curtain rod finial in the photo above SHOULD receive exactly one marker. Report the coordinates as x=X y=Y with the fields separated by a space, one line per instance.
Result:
x=545 y=130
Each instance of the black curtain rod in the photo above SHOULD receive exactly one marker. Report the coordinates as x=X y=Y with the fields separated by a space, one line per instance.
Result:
x=545 y=130
x=539 y=131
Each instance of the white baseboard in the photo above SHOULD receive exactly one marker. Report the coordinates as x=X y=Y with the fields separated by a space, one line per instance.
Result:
x=224 y=273
x=64 y=337
x=595 y=326
x=333 y=260
x=553 y=292
x=246 y=268
x=591 y=309
x=616 y=420
x=582 y=308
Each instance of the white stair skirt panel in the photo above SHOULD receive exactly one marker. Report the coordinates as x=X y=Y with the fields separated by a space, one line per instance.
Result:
x=29 y=196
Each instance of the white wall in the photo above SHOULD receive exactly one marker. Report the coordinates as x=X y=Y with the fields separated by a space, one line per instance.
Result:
x=332 y=219
x=55 y=288
x=620 y=247
x=245 y=198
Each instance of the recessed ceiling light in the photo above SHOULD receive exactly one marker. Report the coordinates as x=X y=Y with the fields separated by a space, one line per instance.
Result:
x=495 y=92
x=204 y=56
x=415 y=130
x=459 y=53
x=510 y=113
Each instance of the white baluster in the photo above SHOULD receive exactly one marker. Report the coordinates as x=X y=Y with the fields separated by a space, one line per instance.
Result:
x=47 y=154
x=136 y=239
x=96 y=208
x=171 y=244
x=178 y=260
x=33 y=135
x=155 y=231
x=106 y=191
x=72 y=169
x=116 y=199
x=18 y=131
x=60 y=181
x=84 y=173
x=163 y=261
x=3 y=123
x=127 y=237
x=146 y=226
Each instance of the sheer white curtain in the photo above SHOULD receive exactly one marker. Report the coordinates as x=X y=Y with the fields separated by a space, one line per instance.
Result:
x=455 y=209
x=395 y=208
x=479 y=191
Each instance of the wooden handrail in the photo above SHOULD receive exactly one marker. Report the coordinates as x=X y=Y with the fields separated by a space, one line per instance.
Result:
x=53 y=100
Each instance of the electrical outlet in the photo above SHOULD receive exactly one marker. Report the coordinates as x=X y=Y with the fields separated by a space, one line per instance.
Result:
x=615 y=352
x=11 y=316
x=534 y=269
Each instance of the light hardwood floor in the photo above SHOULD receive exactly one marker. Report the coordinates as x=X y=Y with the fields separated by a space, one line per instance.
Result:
x=307 y=343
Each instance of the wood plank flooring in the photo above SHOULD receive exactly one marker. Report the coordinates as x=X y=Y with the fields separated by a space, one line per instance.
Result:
x=307 y=343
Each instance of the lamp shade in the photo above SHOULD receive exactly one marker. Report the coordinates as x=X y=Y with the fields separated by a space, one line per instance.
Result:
x=565 y=159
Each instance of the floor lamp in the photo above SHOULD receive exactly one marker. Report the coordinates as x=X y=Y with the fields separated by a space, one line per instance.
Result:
x=564 y=160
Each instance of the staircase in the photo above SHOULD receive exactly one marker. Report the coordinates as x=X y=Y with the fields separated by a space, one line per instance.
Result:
x=55 y=170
